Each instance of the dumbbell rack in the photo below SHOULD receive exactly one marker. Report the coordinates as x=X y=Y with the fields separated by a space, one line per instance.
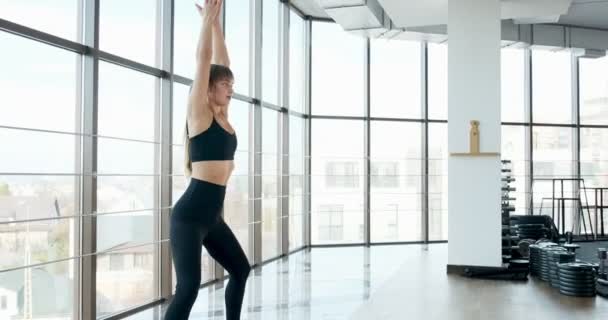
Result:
x=509 y=240
x=512 y=268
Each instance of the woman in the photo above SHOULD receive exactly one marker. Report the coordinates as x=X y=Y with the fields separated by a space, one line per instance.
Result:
x=210 y=143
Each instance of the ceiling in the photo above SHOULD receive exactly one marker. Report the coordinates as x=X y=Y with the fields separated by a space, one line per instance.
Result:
x=582 y=13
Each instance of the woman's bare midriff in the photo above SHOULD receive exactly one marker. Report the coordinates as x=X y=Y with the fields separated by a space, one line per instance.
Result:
x=217 y=172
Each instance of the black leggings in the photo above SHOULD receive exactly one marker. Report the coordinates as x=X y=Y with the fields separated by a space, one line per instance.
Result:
x=196 y=220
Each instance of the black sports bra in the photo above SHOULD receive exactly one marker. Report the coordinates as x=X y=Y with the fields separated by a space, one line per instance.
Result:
x=214 y=143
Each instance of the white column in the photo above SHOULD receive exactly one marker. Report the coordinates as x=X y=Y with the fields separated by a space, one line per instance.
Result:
x=474 y=226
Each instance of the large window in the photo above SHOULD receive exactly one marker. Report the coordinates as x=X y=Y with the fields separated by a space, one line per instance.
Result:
x=125 y=188
x=396 y=182
x=297 y=69
x=593 y=91
x=337 y=181
x=38 y=83
x=551 y=87
x=337 y=71
x=395 y=79
x=237 y=35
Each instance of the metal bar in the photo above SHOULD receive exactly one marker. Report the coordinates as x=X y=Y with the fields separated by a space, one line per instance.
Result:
x=530 y=132
x=88 y=255
x=133 y=311
x=424 y=64
x=576 y=141
x=529 y=135
x=255 y=240
x=88 y=223
x=367 y=145
x=284 y=138
x=77 y=134
x=43 y=37
x=307 y=145
x=163 y=266
x=131 y=64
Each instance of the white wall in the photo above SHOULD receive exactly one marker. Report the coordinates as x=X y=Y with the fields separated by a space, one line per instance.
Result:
x=474 y=94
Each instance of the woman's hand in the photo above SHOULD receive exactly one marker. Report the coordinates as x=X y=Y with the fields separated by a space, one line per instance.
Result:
x=211 y=11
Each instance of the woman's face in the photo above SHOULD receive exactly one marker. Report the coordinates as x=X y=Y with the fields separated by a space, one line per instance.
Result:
x=221 y=92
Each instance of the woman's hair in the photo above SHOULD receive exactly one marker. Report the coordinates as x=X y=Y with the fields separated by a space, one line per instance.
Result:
x=217 y=73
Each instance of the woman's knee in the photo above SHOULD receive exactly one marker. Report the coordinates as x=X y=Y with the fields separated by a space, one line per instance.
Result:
x=188 y=289
x=243 y=272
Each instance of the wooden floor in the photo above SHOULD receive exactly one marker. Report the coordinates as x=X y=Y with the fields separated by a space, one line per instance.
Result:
x=421 y=289
x=384 y=283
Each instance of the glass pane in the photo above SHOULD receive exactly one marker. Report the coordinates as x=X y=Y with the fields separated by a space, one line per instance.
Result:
x=38 y=197
x=438 y=81
x=296 y=145
x=594 y=160
x=129 y=29
x=270 y=51
x=270 y=184
x=337 y=71
x=513 y=85
x=552 y=152
x=551 y=87
x=337 y=181
x=186 y=30
x=124 y=230
x=296 y=182
x=52 y=292
x=513 y=141
x=126 y=103
x=22 y=152
x=125 y=278
x=296 y=235
x=179 y=185
x=36 y=242
x=179 y=156
x=270 y=143
x=59 y=18
x=180 y=104
x=552 y=158
x=395 y=79
x=438 y=181
x=237 y=40
x=135 y=157
x=123 y=193
x=297 y=68
x=396 y=182
x=236 y=205
x=44 y=196
x=594 y=165
x=36 y=79
x=593 y=90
